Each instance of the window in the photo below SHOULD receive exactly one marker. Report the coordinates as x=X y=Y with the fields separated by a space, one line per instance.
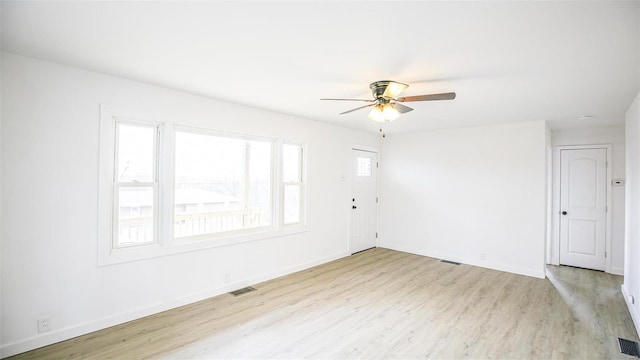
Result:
x=135 y=186
x=292 y=189
x=364 y=166
x=166 y=189
x=222 y=184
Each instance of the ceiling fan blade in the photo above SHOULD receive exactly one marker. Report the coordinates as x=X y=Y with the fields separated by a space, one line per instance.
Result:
x=358 y=108
x=394 y=89
x=402 y=108
x=430 y=97
x=350 y=100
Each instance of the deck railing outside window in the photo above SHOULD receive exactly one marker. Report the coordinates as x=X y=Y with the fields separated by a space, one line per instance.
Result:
x=135 y=229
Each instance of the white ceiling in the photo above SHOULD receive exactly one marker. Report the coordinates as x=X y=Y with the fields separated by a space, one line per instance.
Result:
x=507 y=61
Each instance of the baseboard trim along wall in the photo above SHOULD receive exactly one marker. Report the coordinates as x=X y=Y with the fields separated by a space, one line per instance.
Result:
x=616 y=271
x=89 y=327
x=473 y=262
x=632 y=310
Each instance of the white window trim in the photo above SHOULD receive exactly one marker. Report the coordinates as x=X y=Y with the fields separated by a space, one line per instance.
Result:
x=108 y=252
x=157 y=144
x=303 y=186
x=166 y=244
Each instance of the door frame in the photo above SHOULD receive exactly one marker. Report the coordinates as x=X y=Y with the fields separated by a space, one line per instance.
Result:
x=348 y=205
x=554 y=246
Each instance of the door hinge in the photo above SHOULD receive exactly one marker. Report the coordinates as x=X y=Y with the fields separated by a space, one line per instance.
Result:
x=376 y=235
x=605 y=254
x=377 y=165
x=376 y=200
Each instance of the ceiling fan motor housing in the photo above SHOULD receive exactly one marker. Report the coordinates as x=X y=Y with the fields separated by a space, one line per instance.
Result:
x=379 y=87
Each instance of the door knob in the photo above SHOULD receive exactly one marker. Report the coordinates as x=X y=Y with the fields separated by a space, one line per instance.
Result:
x=353 y=206
x=564 y=213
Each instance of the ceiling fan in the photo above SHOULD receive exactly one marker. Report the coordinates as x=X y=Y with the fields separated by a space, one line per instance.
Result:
x=386 y=102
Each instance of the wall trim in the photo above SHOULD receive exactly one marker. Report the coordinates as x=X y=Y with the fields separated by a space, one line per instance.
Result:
x=473 y=262
x=63 y=334
x=616 y=270
x=632 y=310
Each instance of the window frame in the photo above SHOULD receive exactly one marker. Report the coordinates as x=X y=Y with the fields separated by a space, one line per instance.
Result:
x=301 y=185
x=166 y=244
x=154 y=185
x=108 y=251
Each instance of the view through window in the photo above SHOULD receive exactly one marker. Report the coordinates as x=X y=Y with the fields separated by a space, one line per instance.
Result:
x=292 y=183
x=135 y=185
x=221 y=184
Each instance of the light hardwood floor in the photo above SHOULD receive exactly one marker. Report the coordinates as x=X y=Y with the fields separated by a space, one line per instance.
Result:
x=382 y=304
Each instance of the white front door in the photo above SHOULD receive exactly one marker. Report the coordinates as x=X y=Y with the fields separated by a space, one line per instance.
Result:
x=583 y=207
x=364 y=200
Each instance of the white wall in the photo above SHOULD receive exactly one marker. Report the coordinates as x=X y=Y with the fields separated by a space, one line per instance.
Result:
x=631 y=286
x=50 y=118
x=1 y=167
x=474 y=195
x=614 y=136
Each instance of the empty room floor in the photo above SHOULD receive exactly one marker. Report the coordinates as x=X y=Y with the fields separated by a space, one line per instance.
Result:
x=383 y=304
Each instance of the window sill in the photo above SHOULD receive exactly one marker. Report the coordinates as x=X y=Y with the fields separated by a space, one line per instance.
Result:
x=193 y=243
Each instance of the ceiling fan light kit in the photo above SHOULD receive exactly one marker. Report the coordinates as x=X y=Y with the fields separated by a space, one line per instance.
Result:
x=386 y=100
x=384 y=113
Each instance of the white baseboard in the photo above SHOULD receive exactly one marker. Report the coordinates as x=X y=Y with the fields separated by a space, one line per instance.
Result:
x=540 y=274
x=632 y=309
x=616 y=270
x=396 y=247
x=55 y=336
x=480 y=263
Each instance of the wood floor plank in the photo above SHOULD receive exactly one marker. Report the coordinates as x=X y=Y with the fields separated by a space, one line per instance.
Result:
x=382 y=304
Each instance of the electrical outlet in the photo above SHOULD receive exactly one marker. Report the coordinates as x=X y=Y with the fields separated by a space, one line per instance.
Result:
x=227 y=278
x=483 y=256
x=44 y=324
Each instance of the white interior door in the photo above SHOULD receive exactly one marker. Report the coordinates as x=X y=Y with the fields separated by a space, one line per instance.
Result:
x=583 y=207
x=364 y=200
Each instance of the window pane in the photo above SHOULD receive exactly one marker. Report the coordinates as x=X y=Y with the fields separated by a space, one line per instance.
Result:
x=291 y=163
x=136 y=150
x=222 y=184
x=135 y=215
x=291 y=204
x=259 y=195
x=364 y=166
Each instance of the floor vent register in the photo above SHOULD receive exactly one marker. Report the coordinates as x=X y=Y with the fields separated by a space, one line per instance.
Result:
x=629 y=347
x=242 y=291
x=450 y=262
